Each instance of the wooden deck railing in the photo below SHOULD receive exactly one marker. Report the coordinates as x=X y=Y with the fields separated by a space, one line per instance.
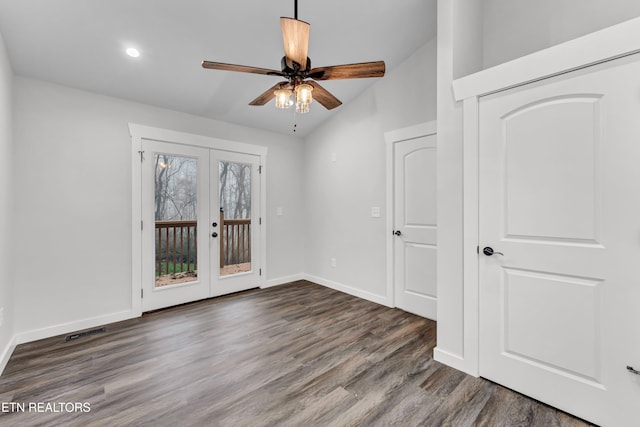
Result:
x=176 y=244
x=176 y=248
x=235 y=242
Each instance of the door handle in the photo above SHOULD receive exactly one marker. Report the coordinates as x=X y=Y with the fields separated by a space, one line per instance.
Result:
x=398 y=233
x=214 y=234
x=488 y=251
x=633 y=371
x=214 y=224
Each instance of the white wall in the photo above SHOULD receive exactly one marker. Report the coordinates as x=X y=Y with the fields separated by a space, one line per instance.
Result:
x=339 y=195
x=73 y=201
x=513 y=28
x=6 y=204
x=459 y=44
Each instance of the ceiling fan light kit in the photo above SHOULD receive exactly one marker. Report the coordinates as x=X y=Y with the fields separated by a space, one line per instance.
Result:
x=304 y=97
x=296 y=68
x=283 y=98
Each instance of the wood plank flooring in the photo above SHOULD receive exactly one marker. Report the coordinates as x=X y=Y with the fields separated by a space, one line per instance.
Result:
x=294 y=355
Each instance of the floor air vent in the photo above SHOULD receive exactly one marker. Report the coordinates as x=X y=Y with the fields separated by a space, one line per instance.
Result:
x=85 y=334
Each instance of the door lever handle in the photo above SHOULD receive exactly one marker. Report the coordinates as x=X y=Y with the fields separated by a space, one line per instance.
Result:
x=633 y=371
x=398 y=233
x=488 y=251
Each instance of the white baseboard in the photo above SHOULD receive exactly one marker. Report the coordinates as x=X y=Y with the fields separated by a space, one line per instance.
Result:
x=64 y=328
x=6 y=354
x=282 y=280
x=454 y=361
x=379 y=299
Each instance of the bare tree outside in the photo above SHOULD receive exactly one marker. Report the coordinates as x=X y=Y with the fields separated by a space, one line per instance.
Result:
x=235 y=190
x=175 y=188
x=175 y=211
x=235 y=217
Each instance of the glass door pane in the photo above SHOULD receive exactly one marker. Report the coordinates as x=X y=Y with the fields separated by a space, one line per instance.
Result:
x=235 y=217
x=175 y=211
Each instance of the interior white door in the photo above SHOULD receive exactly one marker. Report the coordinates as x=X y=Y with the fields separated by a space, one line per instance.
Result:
x=560 y=200
x=235 y=207
x=175 y=224
x=415 y=226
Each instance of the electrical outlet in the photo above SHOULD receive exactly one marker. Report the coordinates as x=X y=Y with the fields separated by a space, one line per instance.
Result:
x=279 y=211
x=375 y=212
x=333 y=262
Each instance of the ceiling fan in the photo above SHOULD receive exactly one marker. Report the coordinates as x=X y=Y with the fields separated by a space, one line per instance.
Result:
x=296 y=69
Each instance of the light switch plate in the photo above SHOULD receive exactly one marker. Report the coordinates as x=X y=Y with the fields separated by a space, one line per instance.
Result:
x=375 y=212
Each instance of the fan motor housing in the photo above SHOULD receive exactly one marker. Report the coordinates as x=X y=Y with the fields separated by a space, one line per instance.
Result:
x=295 y=71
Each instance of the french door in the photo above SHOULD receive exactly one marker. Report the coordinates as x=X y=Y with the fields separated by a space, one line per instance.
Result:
x=560 y=241
x=200 y=213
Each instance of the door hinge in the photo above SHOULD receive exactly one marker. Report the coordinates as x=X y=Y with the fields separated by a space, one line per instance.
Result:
x=478 y=249
x=141 y=293
x=260 y=272
x=141 y=225
x=260 y=221
x=141 y=152
x=260 y=169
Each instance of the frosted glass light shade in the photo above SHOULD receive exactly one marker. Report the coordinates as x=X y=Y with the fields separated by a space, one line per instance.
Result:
x=304 y=93
x=283 y=98
x=304 y=97
x=302 y=108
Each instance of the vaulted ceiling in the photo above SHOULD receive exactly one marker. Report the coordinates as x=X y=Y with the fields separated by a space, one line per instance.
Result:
x=81 y=44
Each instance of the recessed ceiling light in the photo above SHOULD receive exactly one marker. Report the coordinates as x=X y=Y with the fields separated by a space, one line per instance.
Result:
x=133 y=52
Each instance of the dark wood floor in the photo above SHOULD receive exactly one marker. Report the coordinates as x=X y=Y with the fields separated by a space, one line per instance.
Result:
x=294 y=355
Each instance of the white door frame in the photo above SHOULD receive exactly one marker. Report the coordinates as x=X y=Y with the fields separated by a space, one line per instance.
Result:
x=391 y=137
x=140 y=132
x=598 y=47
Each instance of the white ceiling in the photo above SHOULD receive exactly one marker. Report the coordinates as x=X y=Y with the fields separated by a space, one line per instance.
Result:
x=81 y=44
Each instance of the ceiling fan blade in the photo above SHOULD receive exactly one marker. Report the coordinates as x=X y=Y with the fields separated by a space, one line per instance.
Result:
x=326 y=99
x=349 y=71
x=295 y=35
x=241 y=68
x=268 y=94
